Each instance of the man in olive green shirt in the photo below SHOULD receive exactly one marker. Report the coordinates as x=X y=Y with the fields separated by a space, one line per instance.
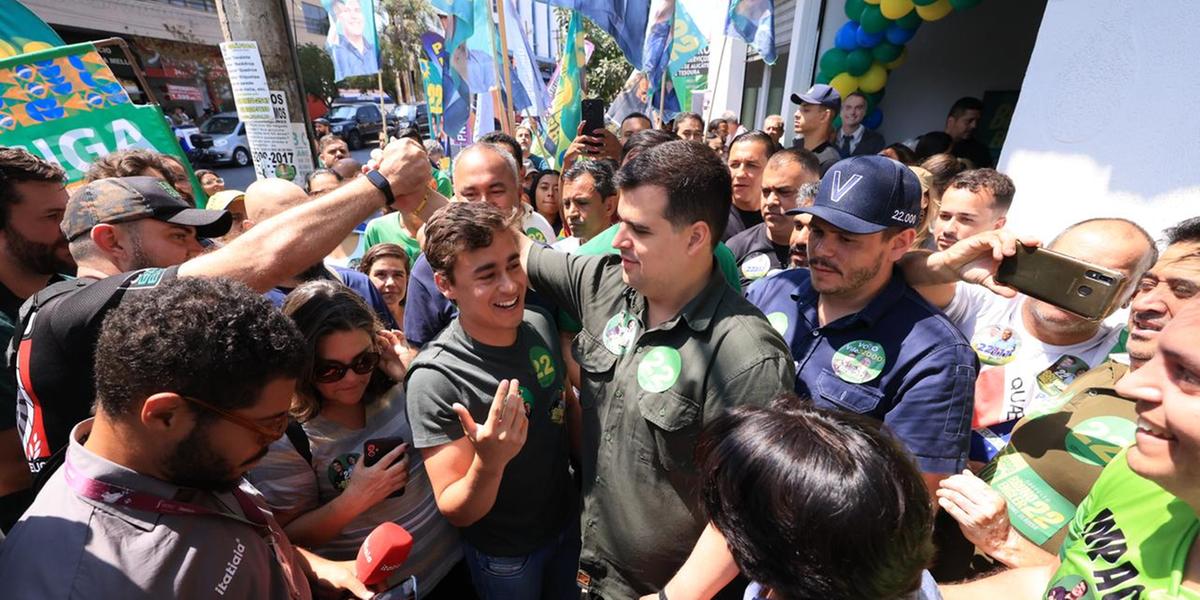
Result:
x=666 y=347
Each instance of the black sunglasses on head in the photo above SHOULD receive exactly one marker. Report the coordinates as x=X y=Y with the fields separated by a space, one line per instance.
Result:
x=329 y=371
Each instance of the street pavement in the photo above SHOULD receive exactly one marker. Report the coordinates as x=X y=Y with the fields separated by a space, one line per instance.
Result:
x=238 y=178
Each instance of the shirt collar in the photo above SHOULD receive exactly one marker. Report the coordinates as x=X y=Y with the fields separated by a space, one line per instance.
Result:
x=874 y=310
x=94 y=466
x=698 y=313
x=855 y=137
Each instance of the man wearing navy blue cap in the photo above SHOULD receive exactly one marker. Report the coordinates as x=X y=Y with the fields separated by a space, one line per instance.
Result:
x=863 y=340
x=813 y=123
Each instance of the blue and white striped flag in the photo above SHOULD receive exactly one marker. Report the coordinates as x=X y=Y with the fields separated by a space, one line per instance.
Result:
x=754 y=21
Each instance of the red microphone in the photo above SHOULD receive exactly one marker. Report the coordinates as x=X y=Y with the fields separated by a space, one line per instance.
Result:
x=384 y=550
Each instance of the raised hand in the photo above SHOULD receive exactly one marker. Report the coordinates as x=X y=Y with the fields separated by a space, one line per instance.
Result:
x=502 y=436
x=977 y=259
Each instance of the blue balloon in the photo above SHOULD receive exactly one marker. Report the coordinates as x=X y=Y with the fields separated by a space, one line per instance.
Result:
x=867 y=40
x=874 y=120
x=847 y=36
x=899 y=35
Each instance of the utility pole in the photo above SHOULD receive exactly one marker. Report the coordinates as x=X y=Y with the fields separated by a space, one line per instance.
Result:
x=266 y=22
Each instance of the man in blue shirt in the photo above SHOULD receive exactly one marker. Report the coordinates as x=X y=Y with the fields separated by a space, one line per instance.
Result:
x=863 y=340
x=354 y=53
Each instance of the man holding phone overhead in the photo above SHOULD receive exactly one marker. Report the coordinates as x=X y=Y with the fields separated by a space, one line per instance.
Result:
x=1031 y=350
x=488 y=411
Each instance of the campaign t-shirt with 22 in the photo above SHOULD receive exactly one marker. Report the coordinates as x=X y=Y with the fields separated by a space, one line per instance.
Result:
x=1018 y=373
x=1130 y=539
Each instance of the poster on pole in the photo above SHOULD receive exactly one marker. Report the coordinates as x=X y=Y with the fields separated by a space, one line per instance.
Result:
x=275 y=148
x=352 y=42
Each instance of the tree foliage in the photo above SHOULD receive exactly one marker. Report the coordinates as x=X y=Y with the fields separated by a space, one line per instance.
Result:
x=608 y=68
x=316 y=72
x=400 y=39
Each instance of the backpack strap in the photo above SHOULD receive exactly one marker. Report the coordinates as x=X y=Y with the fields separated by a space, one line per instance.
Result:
x=296 y=435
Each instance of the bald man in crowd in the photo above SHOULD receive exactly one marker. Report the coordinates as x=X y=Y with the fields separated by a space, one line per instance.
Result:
x=266 y=198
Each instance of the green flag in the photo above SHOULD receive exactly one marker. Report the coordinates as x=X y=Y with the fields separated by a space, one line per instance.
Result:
x=65 y=105
x=565 y=110
x=21 y=31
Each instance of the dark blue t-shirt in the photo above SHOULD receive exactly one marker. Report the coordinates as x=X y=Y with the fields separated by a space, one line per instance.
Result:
x=899 y=360
x=361 y=284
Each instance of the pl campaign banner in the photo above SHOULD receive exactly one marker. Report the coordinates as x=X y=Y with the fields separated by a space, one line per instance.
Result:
x=352 y=42
x=65 y=105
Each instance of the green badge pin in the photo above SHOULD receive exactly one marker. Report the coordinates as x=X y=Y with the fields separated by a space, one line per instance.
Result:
x=535 y=234
x=779 y=322
x=619 y=332
x=543 y=365
x=859 y=361
x=659 y=369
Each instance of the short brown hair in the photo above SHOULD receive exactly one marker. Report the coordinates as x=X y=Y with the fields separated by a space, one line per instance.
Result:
x=385 y=250
x=328 y=140
x=998 y=184
x=19 y=166
x=129 y=163
x=460 y=227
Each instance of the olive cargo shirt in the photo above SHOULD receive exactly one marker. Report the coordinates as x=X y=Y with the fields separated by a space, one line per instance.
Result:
x=646 y=396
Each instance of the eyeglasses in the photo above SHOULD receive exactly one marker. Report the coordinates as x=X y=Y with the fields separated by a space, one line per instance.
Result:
x=269 y=433
x=329 y=371
x=216 y=181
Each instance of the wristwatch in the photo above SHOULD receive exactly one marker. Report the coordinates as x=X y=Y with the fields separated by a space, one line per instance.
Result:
x=378 y=180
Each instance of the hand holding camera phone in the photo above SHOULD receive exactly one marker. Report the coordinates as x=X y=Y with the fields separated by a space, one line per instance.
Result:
x=1087 y=290
x=375 y=449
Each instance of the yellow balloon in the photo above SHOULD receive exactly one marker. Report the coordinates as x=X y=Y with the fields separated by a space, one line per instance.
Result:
x=871 y=1
x=935 y=11
x=844 y=83
x=894 y=9
x=899 y=60
x=873 y=80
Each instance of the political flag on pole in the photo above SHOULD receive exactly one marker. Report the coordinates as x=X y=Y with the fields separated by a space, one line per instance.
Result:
x=754 y=22
x=625 y=20
x=565 y=110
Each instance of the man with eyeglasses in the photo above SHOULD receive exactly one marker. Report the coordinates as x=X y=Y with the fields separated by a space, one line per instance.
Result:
x=129 y=235
x=193 y=382
x=488 y=410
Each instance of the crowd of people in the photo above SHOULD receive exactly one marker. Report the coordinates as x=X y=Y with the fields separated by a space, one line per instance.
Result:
x=688 y=363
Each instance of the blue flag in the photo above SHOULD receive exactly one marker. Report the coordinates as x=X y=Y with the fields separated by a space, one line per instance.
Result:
x=456 y=95
x=754 y=22
x=625 y=20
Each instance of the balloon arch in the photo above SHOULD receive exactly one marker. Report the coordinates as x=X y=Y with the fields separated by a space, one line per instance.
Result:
x=871 y=45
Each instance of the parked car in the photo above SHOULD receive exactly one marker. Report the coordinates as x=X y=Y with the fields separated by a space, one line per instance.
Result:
x=229 y=143
x=413 y=115
x=355 y=123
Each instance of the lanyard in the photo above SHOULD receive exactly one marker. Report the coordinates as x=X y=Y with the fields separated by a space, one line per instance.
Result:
x=115 y=495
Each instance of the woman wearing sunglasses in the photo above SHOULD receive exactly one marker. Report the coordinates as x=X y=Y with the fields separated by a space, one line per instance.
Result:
x=348 y=404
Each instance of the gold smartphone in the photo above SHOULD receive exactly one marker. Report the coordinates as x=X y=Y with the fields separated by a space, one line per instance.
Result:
x=1078 y=287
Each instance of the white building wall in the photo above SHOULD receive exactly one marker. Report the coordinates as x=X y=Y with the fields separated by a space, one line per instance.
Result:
x=1105 y=125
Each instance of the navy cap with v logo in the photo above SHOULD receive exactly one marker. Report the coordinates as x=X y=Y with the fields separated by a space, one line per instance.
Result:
x=867 y=194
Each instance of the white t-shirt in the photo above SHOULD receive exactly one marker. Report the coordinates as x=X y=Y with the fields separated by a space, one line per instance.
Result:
x=537 y=227
x=1018 y=373
x=293 y=487
x=568 y=245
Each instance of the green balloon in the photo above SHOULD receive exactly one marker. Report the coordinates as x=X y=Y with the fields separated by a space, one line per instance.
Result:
x=858 y=62
x=873 y=100
x=910 y=21
x=924 y=2
x=854 y=9
x=824 y=77
x=886 y=52
x=872 y=19
x=964 y=4
x=837 y=122
x=834 y=60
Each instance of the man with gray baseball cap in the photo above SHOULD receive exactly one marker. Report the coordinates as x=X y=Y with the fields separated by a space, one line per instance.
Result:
x=863 y=340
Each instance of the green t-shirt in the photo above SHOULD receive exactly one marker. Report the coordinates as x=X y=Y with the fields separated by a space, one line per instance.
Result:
x=536 y=495
x=443 y=184
x=388 y=229
x=1139 y=535
x=602 y=244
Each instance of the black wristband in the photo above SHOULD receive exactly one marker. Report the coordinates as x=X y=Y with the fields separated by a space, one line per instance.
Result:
x=378 y=180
